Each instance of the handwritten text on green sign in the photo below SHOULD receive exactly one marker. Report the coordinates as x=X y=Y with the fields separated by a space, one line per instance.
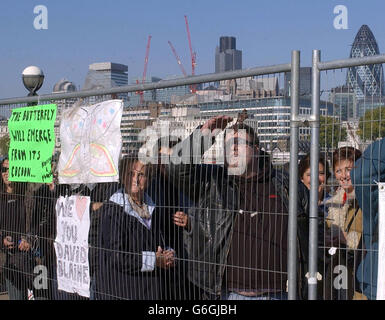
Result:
x=32 y=139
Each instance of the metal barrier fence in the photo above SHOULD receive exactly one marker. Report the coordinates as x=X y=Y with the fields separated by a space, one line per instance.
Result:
x=345 y=253
x=239 y=234
x=205 y=260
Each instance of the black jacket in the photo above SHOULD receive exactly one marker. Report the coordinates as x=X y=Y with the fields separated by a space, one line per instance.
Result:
x=123 y=239
x=216 y=196
x=43 y=219
x=13 y=224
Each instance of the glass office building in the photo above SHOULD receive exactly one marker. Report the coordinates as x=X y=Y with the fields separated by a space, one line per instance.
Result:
x=159 y=95
x=271 y=115
x=106 y=75
x=343 y=103
x=366 y=81
x=227 y=57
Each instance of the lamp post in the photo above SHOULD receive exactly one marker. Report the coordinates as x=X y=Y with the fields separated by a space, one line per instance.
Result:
x=33 y=78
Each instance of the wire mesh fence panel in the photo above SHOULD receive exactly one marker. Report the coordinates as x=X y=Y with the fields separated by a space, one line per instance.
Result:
x=179 y=189
x=198 y=208
x=349 y=131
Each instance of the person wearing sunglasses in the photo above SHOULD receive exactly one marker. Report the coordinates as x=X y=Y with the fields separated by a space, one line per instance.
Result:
x=13 y=234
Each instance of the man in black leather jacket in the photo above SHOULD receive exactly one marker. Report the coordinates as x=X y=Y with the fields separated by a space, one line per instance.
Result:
x=236 y=237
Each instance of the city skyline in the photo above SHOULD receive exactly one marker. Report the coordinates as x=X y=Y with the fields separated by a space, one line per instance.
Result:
x=80 y=34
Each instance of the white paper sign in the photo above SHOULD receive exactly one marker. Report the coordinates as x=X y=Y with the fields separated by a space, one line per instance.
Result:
x=91 y=143
x=381 y=242
x=71 y=244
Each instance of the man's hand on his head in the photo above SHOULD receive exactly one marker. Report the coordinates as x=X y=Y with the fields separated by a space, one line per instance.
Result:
x=218 y=122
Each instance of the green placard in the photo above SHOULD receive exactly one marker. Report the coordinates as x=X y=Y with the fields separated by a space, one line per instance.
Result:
x=32 y=139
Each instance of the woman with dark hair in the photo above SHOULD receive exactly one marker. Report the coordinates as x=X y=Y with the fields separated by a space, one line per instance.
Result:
x=345 y=217
x=323 y=175
x=323 y=195
x=13 y=235
x=131 y=246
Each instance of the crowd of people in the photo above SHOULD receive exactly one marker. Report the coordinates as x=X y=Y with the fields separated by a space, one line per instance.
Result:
x=186 y=230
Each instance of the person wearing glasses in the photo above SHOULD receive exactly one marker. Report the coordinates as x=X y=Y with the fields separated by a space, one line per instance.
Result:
x=13 y=234
x=236 y=232
x=345 y=218
x=132 y=249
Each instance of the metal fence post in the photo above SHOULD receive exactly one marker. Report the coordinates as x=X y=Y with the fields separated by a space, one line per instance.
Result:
x=314 y=159
x=293 y=194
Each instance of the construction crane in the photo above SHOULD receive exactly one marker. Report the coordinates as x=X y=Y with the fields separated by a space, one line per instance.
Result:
x=145 y=69
x=180 y=64
x=177 y=59
x=192 y=87
x=193 y=54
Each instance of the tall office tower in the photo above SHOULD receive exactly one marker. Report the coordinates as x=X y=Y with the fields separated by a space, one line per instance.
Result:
x=227 y=57
x=343 y=103
x=106 y=75
x=366 y=81
x=304 y=82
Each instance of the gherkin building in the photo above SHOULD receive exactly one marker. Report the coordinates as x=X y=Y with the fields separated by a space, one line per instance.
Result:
x=366 y=81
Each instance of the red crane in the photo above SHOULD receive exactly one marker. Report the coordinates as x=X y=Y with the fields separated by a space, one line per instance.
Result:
x=177 y=59
x=192 y=88
x=145 y=69
x=193 y=54
x=146 y=59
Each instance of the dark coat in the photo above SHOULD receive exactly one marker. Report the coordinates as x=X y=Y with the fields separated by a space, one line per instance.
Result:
x=169 y=200
x=212 y=221
x=123 y=239
x=13 y=224
x=216 y=198
x=368 y=170
x=43 y=219
x=100 y=194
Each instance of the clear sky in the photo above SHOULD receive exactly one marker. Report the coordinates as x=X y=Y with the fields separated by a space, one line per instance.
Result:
x=82 y=32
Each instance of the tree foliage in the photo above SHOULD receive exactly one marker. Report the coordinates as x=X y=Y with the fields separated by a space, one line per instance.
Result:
x=331 y=132
x=4 y=145
x=372 y=124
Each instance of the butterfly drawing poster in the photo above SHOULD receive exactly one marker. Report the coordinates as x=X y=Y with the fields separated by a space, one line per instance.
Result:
x=91 y=143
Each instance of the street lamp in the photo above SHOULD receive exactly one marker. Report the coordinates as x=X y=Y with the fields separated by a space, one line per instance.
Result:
x=33 y=78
